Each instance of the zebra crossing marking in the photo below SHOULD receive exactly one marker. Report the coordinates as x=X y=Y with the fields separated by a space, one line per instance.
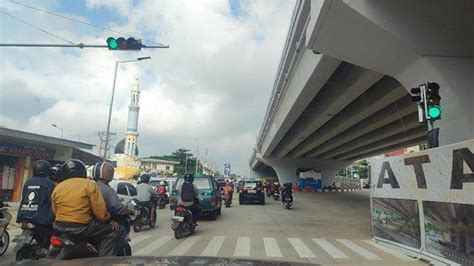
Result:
x=137 y=239
x=184 y=246
x=330 y=249
x=271 y=247
x=242 y=248
x=214 y=246
x=358 y=249
x=153 y=246
x=300 y=247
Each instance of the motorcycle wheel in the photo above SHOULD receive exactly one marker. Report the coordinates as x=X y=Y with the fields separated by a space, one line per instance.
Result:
x=128 y=250
x=153 y=221
x=137 y=225
x=178 y=232
x=6 y=242
x=24 y=253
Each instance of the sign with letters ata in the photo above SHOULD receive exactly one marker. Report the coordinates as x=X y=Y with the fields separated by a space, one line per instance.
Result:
x=425 y=201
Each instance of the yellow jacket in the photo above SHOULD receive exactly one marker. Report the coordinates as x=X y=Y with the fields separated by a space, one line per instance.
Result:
x=79 y=200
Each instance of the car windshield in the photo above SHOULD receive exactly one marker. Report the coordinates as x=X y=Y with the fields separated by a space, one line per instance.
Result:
x=250 y=184
x=362 y=111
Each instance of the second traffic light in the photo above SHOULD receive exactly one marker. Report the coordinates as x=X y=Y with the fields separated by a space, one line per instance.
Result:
x=122 y=44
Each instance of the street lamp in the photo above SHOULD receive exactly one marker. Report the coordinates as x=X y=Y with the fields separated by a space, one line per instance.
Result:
x=107 y=139
x=62 y=131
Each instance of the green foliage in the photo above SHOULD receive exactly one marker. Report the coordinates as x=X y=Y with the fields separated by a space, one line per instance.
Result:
x=361 y=168
x=180 y=156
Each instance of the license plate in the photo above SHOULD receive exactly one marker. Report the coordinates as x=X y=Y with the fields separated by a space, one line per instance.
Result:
x=177 y=218
x=252 y=191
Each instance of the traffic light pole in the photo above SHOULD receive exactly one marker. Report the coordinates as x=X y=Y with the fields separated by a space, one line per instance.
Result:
x=79 y=45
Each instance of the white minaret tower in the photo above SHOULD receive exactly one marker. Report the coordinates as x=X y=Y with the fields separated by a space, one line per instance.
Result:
x=132 y=124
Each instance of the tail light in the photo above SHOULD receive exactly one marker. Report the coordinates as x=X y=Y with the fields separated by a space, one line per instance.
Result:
x=180 y=209
x=214 y=201
x=55 y=241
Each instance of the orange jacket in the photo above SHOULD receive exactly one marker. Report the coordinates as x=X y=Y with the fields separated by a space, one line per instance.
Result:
x=228 y=190
x=79 y=200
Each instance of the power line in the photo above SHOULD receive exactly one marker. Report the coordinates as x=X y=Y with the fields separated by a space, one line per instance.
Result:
x=35 y=27
x=80 y=21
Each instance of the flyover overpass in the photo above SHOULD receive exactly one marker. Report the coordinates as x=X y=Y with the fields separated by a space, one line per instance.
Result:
x=341 y=90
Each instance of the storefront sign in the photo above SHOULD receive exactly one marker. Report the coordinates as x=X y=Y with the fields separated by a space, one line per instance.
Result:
x=425 y=200
x=25 y=150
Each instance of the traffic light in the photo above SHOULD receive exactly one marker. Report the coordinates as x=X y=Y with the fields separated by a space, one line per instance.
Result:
x=123 y=44
x=416 y=95
x=433 y=101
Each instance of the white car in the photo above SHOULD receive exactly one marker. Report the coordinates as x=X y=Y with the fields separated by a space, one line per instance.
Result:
x=126 y=191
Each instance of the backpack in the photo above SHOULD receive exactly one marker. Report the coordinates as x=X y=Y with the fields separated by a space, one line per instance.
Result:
x=187 y=192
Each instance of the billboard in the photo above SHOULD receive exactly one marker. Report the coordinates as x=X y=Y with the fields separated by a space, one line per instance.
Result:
x=425 y=201
x=226 y=170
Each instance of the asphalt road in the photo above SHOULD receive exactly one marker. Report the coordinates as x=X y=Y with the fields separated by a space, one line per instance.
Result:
x=326 y=228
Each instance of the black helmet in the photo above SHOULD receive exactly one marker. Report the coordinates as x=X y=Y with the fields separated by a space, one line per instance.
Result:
x=189 y=178
x=145 y=179
x=41 y=168
x=103 y=170
x=55 y=173
x=73 y=168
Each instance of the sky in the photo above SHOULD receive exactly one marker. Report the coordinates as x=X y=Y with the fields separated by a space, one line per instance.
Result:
x=208 y=91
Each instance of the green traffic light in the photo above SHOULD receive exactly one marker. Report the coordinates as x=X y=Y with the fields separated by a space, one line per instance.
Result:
x=434 y=111
x=112 y=43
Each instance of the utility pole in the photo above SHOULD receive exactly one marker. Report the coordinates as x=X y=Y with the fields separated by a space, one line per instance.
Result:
x=103 y=146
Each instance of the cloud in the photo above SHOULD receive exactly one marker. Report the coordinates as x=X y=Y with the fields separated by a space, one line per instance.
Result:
x=212 y=84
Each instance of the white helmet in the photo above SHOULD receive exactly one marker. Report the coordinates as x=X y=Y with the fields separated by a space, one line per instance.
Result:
x=162 y=183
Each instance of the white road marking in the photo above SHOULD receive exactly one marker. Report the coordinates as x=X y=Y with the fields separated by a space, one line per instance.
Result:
x=302 y=250
x=242 y=249
x=271 y=247
x=214 y=246
x=184 y=246
x=153 y=246
x=390 y=251
x=359 y=250
x=330 y=249
x=137 y=239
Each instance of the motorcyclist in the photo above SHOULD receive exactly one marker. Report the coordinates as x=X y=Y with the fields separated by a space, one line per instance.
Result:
x=276 y=188
x=80 y=208
x=103 y=173
x=188 y=196
x=147 y=195
x=35 y=206
x=287 y=191
x=228 y=191
x=55 y=174
x=161 y=190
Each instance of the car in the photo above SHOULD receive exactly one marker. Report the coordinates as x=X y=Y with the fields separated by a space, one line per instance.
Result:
x=251 y=191
x=210 y=198
x=126 y=191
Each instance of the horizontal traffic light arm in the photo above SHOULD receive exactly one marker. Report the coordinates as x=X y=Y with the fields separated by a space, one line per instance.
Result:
x=79 y=45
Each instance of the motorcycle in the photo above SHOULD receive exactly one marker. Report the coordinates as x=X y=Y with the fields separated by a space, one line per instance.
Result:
x=287 y=202
x=32 y=243
x=276 y=195
x=4 y=222
x=142 y=216
x=182 y=222
x=269 y=192
x=162 y=201
x=227 y=200
x=67 y=247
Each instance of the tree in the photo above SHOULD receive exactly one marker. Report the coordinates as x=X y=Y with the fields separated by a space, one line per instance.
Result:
x=361 y=168
x=180 y=156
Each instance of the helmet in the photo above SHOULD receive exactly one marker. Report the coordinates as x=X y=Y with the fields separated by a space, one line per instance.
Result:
x=145 y=179
x=189 y=178
x=73 y=168
x=162 y=183
x=103 y=170
x=41 y=168
x=55 y=174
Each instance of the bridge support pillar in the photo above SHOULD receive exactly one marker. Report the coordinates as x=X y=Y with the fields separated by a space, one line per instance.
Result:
x=286 y=173
x=328 y=177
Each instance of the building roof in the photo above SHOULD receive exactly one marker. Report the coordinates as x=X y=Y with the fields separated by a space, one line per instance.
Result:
x=120 y=148
x=12 y=134
x=151 y=160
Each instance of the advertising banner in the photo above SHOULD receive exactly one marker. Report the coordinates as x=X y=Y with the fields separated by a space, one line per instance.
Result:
x=425 y=201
